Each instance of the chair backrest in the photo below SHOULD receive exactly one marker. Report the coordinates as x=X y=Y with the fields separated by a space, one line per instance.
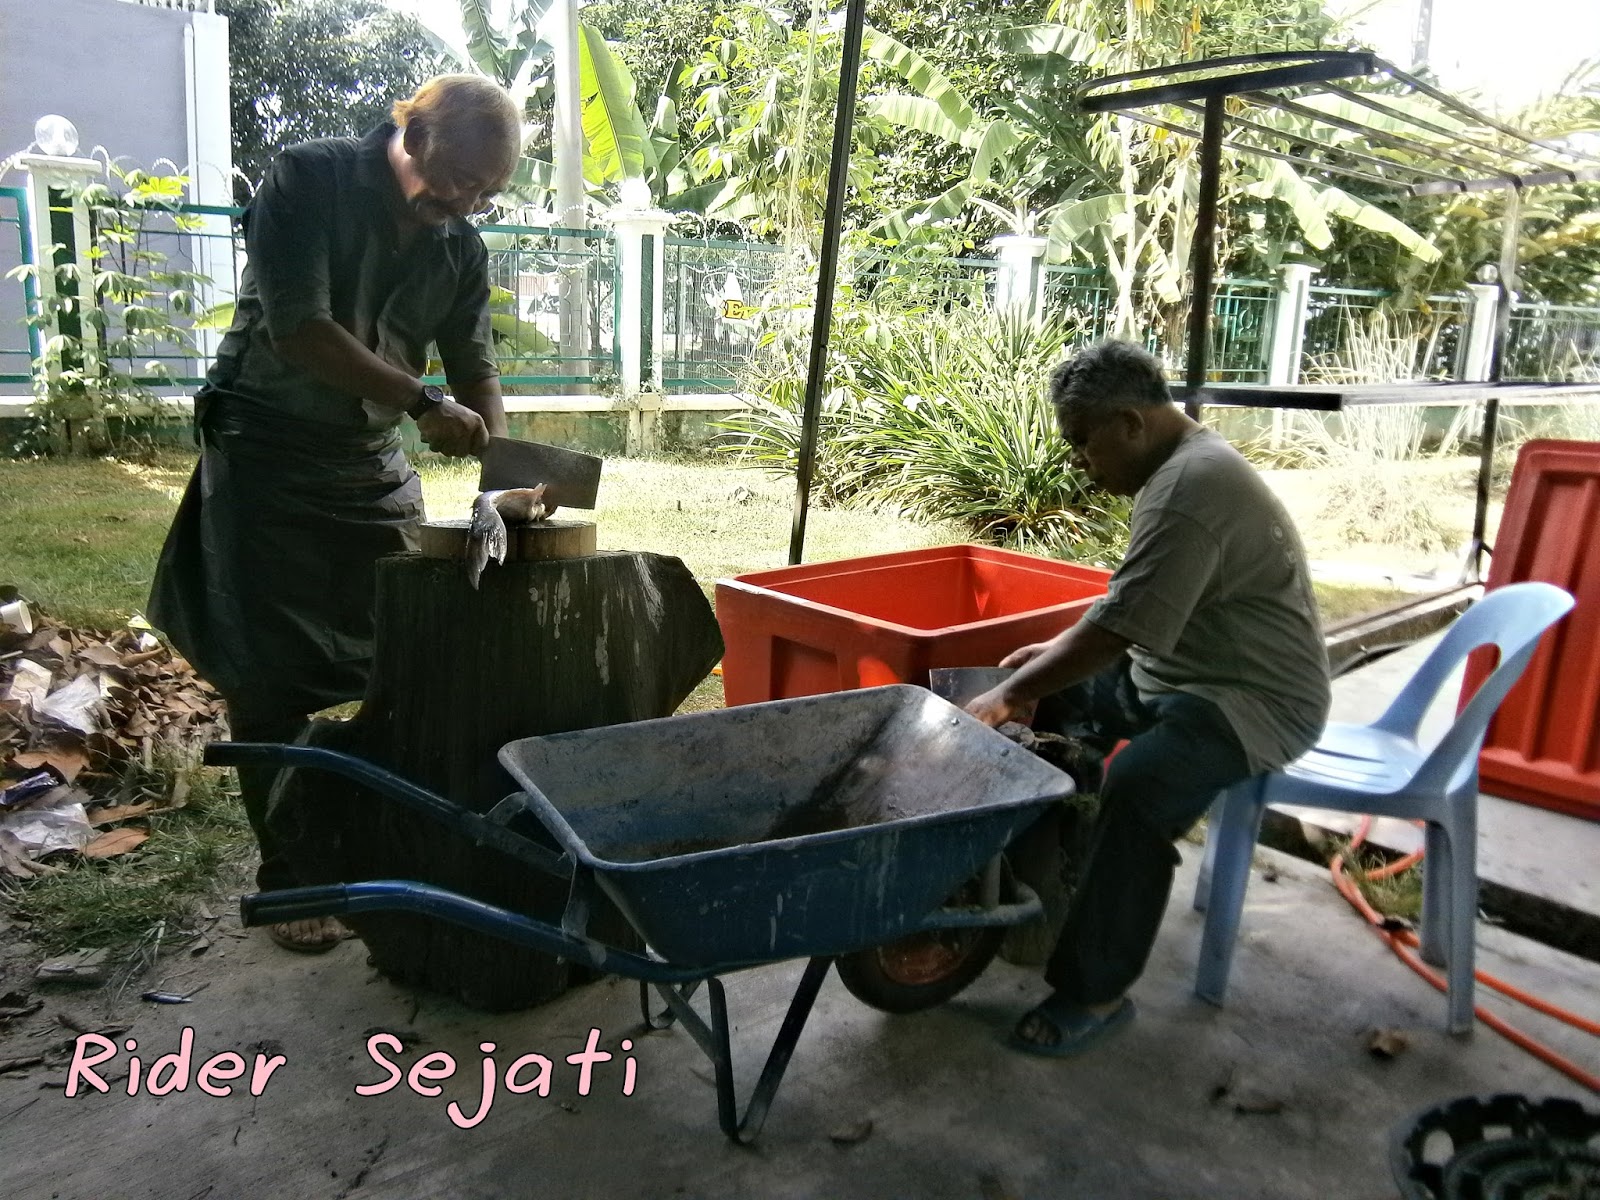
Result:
x=1513 y=618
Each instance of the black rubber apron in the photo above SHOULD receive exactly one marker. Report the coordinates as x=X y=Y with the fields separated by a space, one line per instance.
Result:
x=266 y=580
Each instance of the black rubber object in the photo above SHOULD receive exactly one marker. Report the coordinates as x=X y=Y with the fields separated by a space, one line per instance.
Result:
x=1500 y=1147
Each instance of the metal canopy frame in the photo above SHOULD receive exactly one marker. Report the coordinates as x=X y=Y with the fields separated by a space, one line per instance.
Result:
x=1349 y=114
x=1306 y=108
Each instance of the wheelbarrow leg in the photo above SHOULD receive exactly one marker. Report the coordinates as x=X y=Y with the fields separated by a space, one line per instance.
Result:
x=713 y=1039
x=663 y=1020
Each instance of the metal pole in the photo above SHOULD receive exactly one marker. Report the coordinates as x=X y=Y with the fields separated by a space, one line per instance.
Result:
x=1510 y=227
x=566 y=136
x=1203 y=266
x=827 y=267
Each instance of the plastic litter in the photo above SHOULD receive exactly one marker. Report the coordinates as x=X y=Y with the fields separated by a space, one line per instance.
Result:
x=30 y=684
x=29 y=787
x=42 y=831
x=75 y=704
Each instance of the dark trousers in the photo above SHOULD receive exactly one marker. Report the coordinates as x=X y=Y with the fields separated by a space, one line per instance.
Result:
x=1181 y=753
x=250 y=722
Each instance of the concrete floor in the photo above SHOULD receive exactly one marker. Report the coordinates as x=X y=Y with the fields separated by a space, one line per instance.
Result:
x=1274 y=1096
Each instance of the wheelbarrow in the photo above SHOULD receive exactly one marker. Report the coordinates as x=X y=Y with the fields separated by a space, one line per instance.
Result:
x=805 y=828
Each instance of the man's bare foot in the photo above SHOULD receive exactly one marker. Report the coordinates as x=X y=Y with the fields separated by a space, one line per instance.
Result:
x=315 y=935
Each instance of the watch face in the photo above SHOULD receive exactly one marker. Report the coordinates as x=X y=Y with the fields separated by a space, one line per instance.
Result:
x=433 y=393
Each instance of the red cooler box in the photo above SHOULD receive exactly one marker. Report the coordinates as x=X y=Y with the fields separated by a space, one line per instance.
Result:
x=889 y=618
x=1543 y=746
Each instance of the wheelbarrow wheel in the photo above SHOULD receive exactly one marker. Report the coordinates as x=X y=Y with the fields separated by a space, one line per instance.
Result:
x=923 y=970
x=919 y=972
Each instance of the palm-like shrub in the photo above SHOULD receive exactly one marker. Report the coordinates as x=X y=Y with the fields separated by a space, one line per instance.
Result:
x=941 y=415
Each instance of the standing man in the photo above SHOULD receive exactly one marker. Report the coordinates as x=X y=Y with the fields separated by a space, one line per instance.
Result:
x=1206 y=653
x=359 y=259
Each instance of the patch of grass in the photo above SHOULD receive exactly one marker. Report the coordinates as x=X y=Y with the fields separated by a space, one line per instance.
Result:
x=1398 y=895
x=1339 y=601
x=117 y=902
x=720 y=519
x=81 y=536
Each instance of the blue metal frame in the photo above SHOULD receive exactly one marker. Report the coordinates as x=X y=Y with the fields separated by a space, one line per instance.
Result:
x=30 y=290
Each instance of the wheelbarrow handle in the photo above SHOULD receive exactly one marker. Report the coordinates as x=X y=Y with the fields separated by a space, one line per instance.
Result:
x=294 y=904
x=399 y=895
x=475 y=827
x=1026 y=907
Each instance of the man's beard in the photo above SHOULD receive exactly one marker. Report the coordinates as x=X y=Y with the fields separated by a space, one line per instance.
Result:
x=429 y=211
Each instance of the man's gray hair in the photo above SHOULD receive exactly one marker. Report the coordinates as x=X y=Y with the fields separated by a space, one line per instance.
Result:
x=1105 y=379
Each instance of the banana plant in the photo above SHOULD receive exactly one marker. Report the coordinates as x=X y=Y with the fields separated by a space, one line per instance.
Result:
x=619 y=143
x=936 y=107
x=508 y=56
x=621 y=146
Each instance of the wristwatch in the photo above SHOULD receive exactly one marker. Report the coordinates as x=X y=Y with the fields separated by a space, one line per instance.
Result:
x=429 y=398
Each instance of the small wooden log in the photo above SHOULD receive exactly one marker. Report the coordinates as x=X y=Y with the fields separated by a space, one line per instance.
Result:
x=540 y=647
x=525 y=542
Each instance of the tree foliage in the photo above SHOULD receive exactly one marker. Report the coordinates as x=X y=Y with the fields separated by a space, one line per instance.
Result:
x=303 y=69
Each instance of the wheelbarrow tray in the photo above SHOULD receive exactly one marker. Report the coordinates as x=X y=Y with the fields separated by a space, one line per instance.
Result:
x=794 y=828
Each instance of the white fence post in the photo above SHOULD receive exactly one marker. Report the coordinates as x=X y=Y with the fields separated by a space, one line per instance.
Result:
x=47 y=173
x=1478 y=353
x=641 y=268
x=213 y=252
x=1289 y=323
x=1290 y=308
x=1019 y=281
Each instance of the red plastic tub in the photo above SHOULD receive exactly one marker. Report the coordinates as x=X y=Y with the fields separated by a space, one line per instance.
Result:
x=889 y=618
x=1543 y=746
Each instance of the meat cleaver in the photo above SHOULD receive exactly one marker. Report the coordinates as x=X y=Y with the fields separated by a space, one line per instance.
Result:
x=961 y=684
x=571 y=479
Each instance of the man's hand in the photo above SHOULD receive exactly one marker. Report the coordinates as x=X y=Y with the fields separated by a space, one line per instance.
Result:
x=995 y=708
x=1023 y=655
x=453 y=429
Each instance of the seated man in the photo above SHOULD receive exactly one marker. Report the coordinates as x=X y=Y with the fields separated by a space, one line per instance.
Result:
x=1206 y=653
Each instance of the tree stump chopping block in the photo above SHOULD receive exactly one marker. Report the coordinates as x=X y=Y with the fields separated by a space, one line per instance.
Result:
x=540 y=647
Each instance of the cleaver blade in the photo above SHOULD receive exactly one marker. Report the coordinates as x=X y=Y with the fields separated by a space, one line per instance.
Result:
x=961 y=684
x=571 y=479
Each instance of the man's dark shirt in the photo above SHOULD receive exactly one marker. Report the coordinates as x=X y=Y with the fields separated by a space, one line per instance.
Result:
x=322 y=241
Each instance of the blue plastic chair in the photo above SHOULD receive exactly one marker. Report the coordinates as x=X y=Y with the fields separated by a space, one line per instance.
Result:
x=1380 y=769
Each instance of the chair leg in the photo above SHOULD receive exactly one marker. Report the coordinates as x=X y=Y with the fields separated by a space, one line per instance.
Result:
x=1234 y=837
x=1438 y=876
x=1463 y=838
x=1202 y=886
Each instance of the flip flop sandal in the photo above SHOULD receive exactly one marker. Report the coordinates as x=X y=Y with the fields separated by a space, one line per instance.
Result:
x=1076 y=1028
x=280 y=934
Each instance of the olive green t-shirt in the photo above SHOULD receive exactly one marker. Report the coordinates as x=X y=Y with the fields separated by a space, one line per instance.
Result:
x=1215 y=596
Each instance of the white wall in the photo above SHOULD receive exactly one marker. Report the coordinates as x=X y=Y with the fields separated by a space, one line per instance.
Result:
x=146 y=83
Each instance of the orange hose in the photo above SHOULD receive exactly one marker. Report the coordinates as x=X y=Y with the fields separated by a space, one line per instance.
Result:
x=1401 y=943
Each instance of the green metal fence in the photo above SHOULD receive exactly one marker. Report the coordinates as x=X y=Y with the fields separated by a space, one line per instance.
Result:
x=530 y=269
x=1241 y=318
x=1083 y=295
x=199 y=238
x=1352 y=333
x=1553 y=341
x=714 y=290
x=932 y=282
x=19 y=340
x=1241 y=330
x=712 y=295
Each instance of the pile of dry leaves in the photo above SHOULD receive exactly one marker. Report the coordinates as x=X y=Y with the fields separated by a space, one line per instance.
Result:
x=78 y=708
